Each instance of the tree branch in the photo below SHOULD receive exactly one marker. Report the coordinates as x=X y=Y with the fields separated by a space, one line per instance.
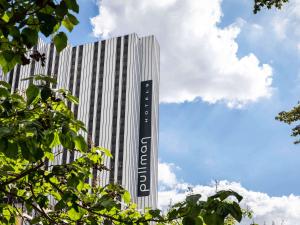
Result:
x=25 y=173
x=33 y=206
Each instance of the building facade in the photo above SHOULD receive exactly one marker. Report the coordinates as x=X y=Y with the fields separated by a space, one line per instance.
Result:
x=117 y=83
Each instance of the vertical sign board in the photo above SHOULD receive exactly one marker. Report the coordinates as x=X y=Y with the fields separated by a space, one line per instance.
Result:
x=145 y=140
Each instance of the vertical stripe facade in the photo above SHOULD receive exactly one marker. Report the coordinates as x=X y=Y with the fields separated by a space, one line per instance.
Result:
x=56 y=65
x=115 y=112
x=16 y=85
x=106 y=76
x=32 y=69
x=122 y=116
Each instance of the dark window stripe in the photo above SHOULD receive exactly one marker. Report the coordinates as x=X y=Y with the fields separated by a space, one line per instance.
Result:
x=49 y=69
x=123 y=109
x=115 y=111
x=11 y=76
x=99 y=97
x=71 y=84
x=77 y=90
x=92 y=102
x=72 y=70
x=32 y=68
x=78 y=78
x=99 y=103
x=93 y=85
x=17 y=78
x=48 y=73
x=56 y=66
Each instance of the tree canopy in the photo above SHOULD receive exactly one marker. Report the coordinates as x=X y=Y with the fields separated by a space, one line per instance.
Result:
x=21 y=22
x=259 y=4
x=290 y=117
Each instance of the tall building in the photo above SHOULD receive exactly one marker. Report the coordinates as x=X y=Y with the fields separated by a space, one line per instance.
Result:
x=117 y=83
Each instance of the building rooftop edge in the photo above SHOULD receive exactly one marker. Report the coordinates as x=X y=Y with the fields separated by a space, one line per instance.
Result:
x=108 y=38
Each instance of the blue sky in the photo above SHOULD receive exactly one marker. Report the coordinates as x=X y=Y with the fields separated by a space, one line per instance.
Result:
x=206 y=137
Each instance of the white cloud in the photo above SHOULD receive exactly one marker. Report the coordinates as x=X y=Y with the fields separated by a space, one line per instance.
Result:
x=166 y=176
x=280 y=27
x=198 y=58
x=286 y=22
x=266 y=208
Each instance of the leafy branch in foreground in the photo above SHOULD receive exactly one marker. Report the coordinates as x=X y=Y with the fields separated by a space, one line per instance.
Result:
x=36 y=190
x=259 y=4
x=290 y=117
x=21 y=21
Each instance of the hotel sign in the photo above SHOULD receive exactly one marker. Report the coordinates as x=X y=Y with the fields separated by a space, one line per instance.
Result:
x=145 y=140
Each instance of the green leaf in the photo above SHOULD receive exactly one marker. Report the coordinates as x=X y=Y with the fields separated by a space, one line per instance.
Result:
x=104 y=150
x=46 y=93
x=4 y=92
x=6 y=65
x=5 y=84
x=4 y=3
x=55 y=141
x=66 y=141
x=35 y=220
x=193 y=199
x=126 y=197
x=73 y=19
x=60 y=205
x=6 y=214
x=222 y=195
x=5 y=17
x=155 y=212
x=37 y=153
x=67 y=24
x=14 y=32
x=60 y=41
x=72 y=4
x=80 y=143
x=47 y=23
x=42 y=200
x=188 y=221
x=4 y=131
x=32 y=93
x=12 y=150
x=73 y=214
x=25 y=150
x=30 y=151
x=235 y=211
x=8 y=55
x=61 y=10
x=80 y=185
x=172 y=214
x=198 y=221
x=29 y=36
x=72 y=98
x=213 y=219
x=108 y=203
x=49 y=138
x=3 y=145
x=73 y=181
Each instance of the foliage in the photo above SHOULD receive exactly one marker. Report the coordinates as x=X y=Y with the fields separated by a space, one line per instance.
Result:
x=247 y=213
x=259 y=4
x=21 y=21
x=35 y=122
x=290 y=117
